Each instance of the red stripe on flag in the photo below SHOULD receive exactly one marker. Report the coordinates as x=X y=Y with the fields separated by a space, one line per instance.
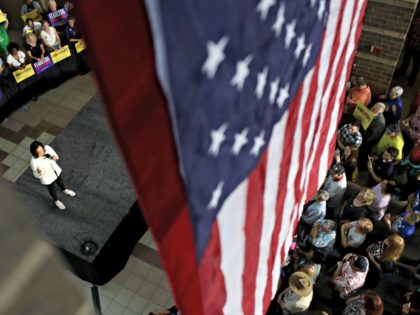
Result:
x=253 y=230
x=284 y=173
x=140 y=120
x=332 y=144
x=325 y=127
x=211 y=276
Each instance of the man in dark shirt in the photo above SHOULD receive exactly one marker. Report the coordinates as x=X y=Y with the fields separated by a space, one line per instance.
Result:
x=29 y=6
x=72 y=33
x=412 y=50
x=372 y=134
x=382 y=168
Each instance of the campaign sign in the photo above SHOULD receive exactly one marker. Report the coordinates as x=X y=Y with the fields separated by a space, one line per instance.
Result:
x=80 y=46
x=2 y=17
x=60 y=54
x=24 y=73
x=58 y=17
x=44 y=64
x=363 y=114
x=34 y=15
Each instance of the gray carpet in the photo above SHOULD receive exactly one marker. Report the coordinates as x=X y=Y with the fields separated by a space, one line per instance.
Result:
x=93 y=168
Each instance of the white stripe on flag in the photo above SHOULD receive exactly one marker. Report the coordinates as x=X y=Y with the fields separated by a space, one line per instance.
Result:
x=231 y=221
x=344 y=31
x=325 y=56
x=275 y=150
x=323 y=167
x=325 y=61
x=322 y=73
x=290 y=206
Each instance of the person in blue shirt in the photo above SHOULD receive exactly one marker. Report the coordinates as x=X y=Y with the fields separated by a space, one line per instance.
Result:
x=316 y=210
x=394 y=103
x=413 y=202
x=403 y=224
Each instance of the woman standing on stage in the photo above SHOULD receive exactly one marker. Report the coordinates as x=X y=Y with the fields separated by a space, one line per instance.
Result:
x=44 y=166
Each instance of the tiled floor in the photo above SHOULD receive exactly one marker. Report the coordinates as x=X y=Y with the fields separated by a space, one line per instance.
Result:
x=142 y=286
x=43 y=121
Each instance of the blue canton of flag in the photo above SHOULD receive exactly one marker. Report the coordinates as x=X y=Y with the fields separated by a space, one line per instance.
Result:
x=244 y=64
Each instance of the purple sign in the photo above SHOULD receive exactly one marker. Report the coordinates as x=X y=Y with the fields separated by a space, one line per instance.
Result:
x=58 y=17
x=44 y=64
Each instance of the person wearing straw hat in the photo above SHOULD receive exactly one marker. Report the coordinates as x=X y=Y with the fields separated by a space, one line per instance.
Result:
x=297 y=296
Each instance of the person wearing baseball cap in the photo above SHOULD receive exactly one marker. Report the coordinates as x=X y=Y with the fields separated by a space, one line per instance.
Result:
x=297 y=297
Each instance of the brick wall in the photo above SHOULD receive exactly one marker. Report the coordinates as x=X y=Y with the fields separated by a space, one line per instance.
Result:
x=385 y=25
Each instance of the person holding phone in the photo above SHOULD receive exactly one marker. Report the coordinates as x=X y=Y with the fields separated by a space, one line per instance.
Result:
x=44 y=167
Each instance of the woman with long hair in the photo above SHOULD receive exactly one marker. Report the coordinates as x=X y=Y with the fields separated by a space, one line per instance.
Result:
x=353 y=234
x=368 y=303
x=383 y=255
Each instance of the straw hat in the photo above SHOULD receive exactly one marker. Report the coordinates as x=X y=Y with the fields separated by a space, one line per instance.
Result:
x=300 y=283
x=369 y=196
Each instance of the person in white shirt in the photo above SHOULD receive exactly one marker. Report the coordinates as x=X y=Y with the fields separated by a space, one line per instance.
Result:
x=16 y=59
x=383 y=192
x=297 y=297
x=50 y=36
x=317 y=209
x=44 y=167
x=353 y=234
x=31 y=27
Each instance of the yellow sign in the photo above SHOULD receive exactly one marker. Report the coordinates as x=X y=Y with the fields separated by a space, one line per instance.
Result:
x=80 y=46
x=34 y=15
x=2 y=17
x=24 y=73
x=60 y=54
x=363 y=114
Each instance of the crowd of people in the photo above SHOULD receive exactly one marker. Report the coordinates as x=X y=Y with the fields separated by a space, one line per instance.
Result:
x=39 y=37
x=355 y=239
x=350 y=231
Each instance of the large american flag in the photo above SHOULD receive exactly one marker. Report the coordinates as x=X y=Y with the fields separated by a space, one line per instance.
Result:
x=226 y=113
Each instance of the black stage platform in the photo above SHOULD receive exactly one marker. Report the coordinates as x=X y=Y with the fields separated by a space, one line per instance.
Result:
x=104 y=210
